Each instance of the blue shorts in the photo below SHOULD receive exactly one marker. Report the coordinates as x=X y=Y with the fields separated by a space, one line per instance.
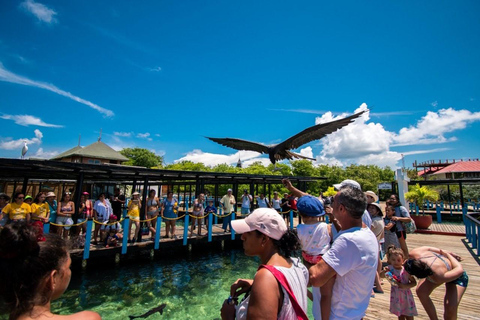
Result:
x=245 y=210
x=461 y=281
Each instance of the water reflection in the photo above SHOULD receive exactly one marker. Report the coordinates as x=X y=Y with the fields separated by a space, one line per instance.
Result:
x=192 y=287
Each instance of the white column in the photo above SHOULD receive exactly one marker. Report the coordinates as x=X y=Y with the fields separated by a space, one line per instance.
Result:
x=402 y=182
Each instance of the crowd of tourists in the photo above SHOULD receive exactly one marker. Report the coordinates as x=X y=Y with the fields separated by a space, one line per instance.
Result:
x=342 y=260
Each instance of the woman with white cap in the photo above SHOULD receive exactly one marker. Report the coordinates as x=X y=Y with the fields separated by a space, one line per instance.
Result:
x=279 y=288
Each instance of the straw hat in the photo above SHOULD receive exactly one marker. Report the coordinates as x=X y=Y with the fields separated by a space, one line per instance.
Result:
x=135 y=194
x=371 y=194
x=50 y=194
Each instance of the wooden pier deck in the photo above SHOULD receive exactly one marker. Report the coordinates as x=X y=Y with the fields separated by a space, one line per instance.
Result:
x=469 y=307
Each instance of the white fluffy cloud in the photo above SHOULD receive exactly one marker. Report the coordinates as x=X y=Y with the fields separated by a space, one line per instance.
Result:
x=434 y=125
x=355 y=140
x=44 y=154
x=10 y=144
x=28 y=120
x=40 y=11
x=213 y=159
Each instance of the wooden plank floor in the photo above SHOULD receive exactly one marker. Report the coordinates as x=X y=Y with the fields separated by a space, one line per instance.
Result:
x=469 y=307
x=447 y=227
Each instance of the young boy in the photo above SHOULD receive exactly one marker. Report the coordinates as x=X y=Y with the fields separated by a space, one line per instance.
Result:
x=315 y=237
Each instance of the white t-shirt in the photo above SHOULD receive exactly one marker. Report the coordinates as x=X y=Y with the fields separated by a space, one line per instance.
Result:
x=246 y=201
x=354 y=257
x=314 y=238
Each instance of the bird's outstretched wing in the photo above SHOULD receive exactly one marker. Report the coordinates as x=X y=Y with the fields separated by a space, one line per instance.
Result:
x=316 y=132
x=240 y=144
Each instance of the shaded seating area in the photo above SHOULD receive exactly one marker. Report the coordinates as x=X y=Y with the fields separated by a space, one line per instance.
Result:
x=30 y=176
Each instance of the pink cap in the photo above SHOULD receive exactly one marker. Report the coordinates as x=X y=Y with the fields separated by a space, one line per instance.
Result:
x=267 y=221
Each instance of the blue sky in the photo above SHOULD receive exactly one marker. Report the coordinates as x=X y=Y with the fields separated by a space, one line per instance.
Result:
x=162 y=75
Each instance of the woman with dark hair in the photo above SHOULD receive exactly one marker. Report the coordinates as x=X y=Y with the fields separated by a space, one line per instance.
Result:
x=66 y=208
x=401 y=216
x=438 y=267
x=279 y=288
x=169 y=206
x=151 y=211
x=33 y=274
x=17 y=211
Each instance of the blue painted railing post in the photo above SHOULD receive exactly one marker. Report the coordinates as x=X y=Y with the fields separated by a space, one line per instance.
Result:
x=158 y=228
x=46 y=228
x=231 y=230
x=291 y=219
x=439 y=215
x=126 y=235
x=416 y=210
x=185 y=225
x=88 y=237
x=478 y=240
x=474 y=237
x=216 y=218
x=410 y=206
x=442 y=205
x=327 y=219
x=464 y=214
x=210 y=221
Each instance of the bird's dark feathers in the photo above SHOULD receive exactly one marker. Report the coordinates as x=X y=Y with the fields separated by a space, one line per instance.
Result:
x=282 y=150
x=241 y=144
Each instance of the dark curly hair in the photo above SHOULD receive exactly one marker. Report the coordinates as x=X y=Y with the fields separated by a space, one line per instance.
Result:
x=288 y=243
x=24 y=265
x=417 y=268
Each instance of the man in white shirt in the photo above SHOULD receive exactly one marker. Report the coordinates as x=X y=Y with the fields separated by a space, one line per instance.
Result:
x=246 y=201
x=352 y=258
x=354 y=184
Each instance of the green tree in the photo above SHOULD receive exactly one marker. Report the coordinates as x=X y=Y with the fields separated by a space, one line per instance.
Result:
x=188 y=166
x=142 y=158
x=419 y=194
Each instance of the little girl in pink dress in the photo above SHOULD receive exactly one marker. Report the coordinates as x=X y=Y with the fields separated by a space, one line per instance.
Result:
x=402 y=303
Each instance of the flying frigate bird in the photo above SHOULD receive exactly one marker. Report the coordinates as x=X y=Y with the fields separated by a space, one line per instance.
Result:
x=282 y=151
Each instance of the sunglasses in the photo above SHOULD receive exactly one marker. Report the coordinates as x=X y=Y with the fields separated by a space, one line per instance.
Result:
x=68 y=193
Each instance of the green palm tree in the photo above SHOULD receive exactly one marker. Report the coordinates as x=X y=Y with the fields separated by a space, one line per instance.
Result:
x=419 y=194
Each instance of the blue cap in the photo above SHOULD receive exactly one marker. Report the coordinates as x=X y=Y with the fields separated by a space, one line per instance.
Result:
x=310 y=206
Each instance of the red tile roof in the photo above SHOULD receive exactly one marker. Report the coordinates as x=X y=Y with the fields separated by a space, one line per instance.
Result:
x=463 y=166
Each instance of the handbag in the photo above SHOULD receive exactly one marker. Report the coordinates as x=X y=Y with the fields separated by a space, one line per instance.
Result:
x=283 y=281
x=410 y=226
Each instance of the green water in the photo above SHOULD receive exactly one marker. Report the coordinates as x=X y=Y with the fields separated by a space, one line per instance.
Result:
x=192 y=287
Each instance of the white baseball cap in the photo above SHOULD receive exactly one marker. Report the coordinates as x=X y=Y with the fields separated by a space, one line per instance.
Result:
x=348 y=182
x=265 y=220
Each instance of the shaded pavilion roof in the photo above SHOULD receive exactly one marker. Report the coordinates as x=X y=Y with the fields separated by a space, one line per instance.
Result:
x=95 y=150
x=15 y=169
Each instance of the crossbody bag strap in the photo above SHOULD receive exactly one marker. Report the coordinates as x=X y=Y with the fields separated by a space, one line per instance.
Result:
x=283 y=281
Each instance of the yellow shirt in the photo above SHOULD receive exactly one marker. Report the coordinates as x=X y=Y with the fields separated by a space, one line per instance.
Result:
x=17 y=212
x=133 y=209
x=40 y=210
x=227 y=206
